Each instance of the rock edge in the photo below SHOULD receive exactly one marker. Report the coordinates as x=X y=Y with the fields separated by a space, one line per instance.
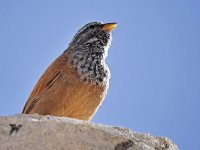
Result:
x=30 y=132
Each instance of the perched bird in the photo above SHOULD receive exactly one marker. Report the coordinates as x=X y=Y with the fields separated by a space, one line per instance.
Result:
x=75 y=84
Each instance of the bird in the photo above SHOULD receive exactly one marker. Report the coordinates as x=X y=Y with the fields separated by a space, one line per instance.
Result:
x=76 y=82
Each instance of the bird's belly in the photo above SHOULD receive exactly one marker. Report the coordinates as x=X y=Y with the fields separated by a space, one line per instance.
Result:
x=77 y=99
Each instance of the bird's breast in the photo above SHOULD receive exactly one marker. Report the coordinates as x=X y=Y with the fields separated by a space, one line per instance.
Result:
x=91 y=68
x=77 y=98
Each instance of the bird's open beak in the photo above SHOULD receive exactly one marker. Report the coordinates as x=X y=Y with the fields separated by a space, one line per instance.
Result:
x=109 y=26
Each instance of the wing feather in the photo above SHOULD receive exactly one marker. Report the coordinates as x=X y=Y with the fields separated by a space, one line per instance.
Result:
x=45 y=82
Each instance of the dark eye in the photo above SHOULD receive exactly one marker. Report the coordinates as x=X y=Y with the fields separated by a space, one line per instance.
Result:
x=92 y=27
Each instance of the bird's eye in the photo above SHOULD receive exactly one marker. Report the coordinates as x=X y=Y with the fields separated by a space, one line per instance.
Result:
x=87 y=44
x=92 y=27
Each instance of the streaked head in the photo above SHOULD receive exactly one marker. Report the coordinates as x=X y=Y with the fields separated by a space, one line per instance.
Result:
x=93 y=37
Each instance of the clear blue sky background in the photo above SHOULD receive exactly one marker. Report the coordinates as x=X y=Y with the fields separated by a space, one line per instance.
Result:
x=154 y=59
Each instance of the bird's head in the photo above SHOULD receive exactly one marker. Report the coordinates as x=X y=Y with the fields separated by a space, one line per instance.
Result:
x=94 y=37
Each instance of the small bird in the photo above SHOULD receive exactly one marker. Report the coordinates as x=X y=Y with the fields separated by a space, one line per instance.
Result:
x=75 y=84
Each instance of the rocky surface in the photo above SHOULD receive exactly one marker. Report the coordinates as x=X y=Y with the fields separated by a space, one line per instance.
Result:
x=34 y=132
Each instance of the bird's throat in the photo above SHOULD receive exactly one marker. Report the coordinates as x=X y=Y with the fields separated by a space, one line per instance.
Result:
x=91 y=67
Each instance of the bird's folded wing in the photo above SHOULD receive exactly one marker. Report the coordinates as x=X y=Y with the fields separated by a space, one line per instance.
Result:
x=45 y=82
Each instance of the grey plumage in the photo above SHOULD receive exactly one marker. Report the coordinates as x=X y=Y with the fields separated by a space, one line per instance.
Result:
x=91 y=44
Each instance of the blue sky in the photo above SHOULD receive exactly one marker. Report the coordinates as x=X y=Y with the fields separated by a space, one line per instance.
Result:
x=154 y=59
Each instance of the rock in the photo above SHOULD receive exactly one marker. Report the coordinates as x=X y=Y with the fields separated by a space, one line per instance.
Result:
x=34 y=132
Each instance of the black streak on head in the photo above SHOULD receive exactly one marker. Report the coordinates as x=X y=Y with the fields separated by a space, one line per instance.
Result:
x=15 y=128
x=91 y=37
